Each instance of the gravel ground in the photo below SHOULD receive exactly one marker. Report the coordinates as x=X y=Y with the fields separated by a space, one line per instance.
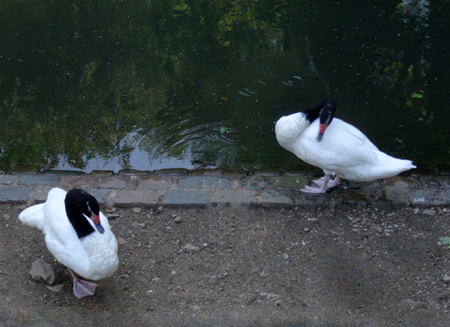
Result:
x=241 y=266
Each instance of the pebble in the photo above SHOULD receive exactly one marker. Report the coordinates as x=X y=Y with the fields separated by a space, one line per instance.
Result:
x=137 y=210
x=378 y=229
x=190 y=248
x=6 y=216
x=113 y=216
x=111 y=210
x=306 y=229
x=270 y=296
x=446 y=278
x=121 y=241
x=42 y=270
x=177 y=219
x=55 y=288
x=429 y=212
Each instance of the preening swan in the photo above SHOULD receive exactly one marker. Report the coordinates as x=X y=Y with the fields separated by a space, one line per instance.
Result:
x=335 y=146
x=77 y=234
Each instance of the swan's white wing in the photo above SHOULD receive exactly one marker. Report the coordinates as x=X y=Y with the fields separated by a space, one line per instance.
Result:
x=343 y=146
x=33 y=216
x=60 y=237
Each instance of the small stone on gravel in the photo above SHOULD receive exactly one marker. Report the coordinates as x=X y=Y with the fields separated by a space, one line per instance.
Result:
x=190 y=248
x=446 y=278
x=137 y=210
x=55 y=288
x=177 y=219
x=121 y=241
x=378 y=229
x=42 y=270
x=6 y=216
x=429 y=212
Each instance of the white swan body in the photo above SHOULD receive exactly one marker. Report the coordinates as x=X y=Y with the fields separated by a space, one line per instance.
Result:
x=93 y=256
x=343 y=151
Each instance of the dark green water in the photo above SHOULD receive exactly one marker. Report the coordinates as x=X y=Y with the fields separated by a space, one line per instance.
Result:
x=146 y=85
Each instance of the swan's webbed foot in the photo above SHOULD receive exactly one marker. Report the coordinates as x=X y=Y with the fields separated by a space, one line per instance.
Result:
x=322 y=185
x=82 y=288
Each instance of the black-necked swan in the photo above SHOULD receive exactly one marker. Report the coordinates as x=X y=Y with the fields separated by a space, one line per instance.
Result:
x=343 y=151
x=77 y=234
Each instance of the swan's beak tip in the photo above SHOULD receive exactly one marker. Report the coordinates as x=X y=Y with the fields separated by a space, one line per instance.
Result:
x=100 y=228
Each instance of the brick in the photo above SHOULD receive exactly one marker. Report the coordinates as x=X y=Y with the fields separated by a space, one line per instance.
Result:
x=273 y=198
x=253 y=182
x=185 y=198
x=7 y=179
x=234 y=197
x=155 y=183
x=126 y=198
x=14 y=194
x=200 y=182
x=291 y=182
x=428 y=197
x=349 y=198
x=114 y=182
x=38 y=180
x=312 y=200
x=99 y=194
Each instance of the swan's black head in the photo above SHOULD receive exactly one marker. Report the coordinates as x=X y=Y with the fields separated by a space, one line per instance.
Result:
x=80 y=206
x=326 y=115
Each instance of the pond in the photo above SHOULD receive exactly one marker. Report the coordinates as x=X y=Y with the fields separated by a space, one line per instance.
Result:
x=146 y=85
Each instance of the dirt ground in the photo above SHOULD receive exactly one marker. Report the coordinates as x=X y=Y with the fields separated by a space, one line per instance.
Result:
x=251 y=267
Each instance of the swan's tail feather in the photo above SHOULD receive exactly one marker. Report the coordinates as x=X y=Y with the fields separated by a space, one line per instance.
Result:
x=33 y=216
x=393 y=166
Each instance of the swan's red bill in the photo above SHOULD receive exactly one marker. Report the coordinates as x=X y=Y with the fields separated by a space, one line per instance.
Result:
x=96 y=219
x=322 y=128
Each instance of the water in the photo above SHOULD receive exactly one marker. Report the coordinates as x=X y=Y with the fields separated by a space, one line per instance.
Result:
x=113 y=85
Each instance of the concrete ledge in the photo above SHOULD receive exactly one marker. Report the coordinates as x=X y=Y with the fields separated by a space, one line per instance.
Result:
x=232 y=197
x=14 y=194
x=127 y=198
x=185 y=198
x=174 y=187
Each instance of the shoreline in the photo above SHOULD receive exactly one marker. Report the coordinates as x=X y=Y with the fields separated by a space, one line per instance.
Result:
x=182 y=188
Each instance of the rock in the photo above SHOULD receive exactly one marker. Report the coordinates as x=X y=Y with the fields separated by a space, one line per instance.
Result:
x=306 y=229
x=177 y=219
x=190 y=248
x=378 y=229
x=446 y=278
x=136 y=210
x=6 y=216
x=429 y=212
x=121 y=241
x=270 y=296
x=42 y=270
x=113 y=216
x=55 y=288
x=111 y=210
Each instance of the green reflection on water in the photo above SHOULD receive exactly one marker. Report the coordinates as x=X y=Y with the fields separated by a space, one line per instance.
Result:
x=143 y=82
